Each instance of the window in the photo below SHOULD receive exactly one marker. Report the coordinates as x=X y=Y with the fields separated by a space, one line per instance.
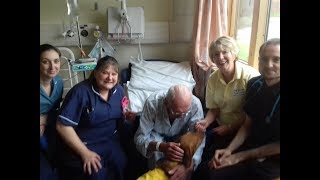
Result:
x=252 y=22
x=274 y=20
x=243 y=27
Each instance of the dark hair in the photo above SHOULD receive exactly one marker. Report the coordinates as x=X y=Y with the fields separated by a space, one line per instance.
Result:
x=103 y=63
x=48 y=47
x=273 y=41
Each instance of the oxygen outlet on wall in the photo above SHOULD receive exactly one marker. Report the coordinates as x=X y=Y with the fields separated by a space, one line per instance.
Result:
x=68 y=33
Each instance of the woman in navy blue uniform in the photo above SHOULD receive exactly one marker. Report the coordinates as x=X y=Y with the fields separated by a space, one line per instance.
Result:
x=88 y=125
x=51 y=89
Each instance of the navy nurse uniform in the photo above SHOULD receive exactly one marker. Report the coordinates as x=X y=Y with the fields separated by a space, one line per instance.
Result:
x=95 y=122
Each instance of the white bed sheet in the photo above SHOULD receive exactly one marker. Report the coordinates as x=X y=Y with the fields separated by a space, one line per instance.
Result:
x=150 y=76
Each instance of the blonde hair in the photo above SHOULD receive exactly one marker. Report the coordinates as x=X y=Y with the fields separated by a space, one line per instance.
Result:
x=223 y=43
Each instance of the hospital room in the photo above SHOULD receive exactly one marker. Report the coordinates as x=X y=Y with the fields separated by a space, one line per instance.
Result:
x=159 y=89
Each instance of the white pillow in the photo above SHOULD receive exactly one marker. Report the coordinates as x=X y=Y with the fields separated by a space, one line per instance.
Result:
x=150 y=76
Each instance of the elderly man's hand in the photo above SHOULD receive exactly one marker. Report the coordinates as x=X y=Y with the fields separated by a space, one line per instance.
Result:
x=172 y=151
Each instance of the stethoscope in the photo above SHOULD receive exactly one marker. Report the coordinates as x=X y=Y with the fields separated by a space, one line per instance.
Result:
x=269 y=117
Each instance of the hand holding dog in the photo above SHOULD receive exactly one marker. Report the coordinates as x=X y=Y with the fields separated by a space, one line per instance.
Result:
x=172 y=151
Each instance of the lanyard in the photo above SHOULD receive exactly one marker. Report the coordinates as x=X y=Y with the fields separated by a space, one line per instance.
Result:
x=268 y=118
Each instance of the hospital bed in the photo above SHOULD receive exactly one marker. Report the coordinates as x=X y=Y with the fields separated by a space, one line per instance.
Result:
x=140 y=79
x=144 y=77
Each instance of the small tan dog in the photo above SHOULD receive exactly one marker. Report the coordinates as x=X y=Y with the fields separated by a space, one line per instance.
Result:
x=189 y=142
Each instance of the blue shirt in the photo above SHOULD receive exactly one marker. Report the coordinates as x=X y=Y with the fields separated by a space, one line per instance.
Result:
x=48 y=103
x=94 y=119
x=155 y=126
x=49 y=106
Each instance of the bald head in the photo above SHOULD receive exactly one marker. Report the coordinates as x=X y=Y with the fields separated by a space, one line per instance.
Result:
x=179 y=96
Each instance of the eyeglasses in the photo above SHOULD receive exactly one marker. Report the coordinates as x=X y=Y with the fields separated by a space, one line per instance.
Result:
x=265 y=60
x=179 y=113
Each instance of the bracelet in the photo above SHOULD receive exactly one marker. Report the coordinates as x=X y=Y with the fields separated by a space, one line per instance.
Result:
x=158 y=145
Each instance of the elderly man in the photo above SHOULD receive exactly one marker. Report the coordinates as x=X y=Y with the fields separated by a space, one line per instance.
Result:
x=166 y=116
x=254 y=153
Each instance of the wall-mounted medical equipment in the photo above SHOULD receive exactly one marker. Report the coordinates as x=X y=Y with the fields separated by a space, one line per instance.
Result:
x=102 y=47
x=74 y=12
x=82 y=64
x=125 y=23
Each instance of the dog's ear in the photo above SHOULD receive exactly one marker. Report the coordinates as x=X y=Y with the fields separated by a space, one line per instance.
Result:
x=189 y=143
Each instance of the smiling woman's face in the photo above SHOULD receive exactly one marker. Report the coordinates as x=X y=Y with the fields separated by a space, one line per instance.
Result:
x=106 y=78
x=224 y=60
x=49 y=64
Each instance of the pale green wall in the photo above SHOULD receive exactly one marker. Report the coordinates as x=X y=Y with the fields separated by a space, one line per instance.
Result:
x=55 y=12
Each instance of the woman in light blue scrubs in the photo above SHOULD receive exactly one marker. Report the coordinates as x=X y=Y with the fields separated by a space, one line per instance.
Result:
x=51 y=89
x=88 y=125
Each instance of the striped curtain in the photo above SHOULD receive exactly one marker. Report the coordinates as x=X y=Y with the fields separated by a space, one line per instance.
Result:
x=210 y=22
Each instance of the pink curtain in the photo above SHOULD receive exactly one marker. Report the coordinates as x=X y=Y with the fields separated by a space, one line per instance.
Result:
x=210 y=22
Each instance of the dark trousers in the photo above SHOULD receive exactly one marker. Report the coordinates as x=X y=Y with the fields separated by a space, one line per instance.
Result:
x=249 y=170
x=113 y=165
x=47 y=172
x=76 y=173
x=47 y=154
x=214 y=142
x=137 y=163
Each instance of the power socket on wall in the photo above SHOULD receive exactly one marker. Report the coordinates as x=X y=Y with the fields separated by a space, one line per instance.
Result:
x=85 y=32
x=59 y=35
